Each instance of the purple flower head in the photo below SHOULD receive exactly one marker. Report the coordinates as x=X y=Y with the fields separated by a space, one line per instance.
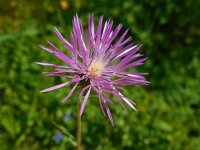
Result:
x=97 y=63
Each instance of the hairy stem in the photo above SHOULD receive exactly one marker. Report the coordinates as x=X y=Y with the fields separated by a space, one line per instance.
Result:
x=78 y=125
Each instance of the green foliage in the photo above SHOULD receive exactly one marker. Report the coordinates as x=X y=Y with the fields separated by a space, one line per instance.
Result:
x=168 y=109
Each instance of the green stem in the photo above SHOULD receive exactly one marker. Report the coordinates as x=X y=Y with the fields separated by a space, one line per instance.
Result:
x=78 y=125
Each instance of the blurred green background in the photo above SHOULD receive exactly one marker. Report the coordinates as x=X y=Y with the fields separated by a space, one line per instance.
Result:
x=168 y=109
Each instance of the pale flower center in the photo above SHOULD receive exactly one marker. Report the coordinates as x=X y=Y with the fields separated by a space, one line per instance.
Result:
x=96 y=68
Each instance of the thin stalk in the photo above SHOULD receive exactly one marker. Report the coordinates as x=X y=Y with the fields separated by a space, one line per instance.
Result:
x=78 y=125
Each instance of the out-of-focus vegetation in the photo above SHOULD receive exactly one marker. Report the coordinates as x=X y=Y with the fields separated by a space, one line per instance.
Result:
x=168 y=110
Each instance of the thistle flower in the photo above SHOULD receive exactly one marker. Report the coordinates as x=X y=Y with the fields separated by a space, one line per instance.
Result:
x=97 y=63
